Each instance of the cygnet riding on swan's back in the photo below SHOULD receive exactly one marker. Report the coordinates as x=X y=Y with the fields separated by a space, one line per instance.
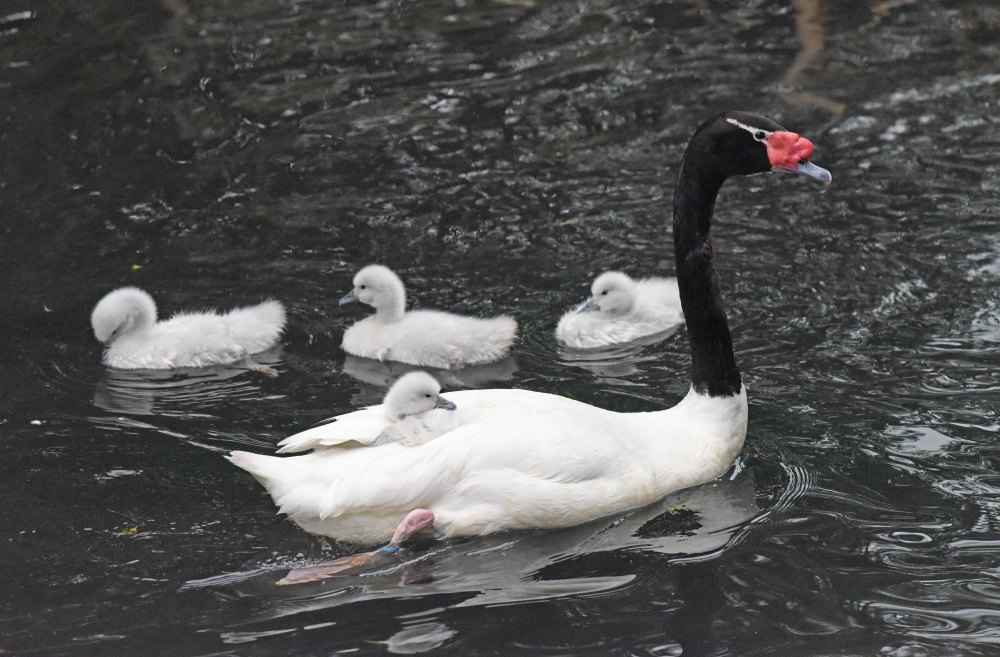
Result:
x=521 y=459
x=125 y=320
x=621 y=309
x=429 y=338
x=412 y=413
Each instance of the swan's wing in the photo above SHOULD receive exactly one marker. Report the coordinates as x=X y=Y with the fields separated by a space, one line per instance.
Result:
x=451 y=470
x=362 y=427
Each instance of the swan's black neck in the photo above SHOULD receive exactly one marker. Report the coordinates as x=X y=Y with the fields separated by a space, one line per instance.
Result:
x=714 y=369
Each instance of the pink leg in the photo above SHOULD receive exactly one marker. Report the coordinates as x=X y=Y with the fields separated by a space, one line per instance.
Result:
x=413 y=522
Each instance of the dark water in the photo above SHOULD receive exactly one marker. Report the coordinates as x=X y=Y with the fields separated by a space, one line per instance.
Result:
x=499 y=154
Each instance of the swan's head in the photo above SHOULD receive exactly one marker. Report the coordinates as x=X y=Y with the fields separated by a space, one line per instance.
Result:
x=742 y=143
x=379 y=287
x=121 y=311
x=413 y=393
x=612 y=292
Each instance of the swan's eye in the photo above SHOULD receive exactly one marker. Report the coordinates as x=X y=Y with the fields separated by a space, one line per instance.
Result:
x=759 y=135
x=362 y=286
x=427 y=396
x=604 y=293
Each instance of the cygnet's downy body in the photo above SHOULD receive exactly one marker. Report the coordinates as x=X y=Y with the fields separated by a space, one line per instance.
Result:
x=125 y=320
x=429 y=338
x=413 y=412
x=418 y=411
x=621 y=310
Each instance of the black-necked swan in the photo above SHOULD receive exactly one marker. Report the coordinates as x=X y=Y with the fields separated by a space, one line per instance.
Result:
x=412 y=412
x=125 y=320
x=429 y=338
x=522 y=459
x=621 y=309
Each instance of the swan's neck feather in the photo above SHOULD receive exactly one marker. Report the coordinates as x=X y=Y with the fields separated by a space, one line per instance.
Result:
x=713 y=370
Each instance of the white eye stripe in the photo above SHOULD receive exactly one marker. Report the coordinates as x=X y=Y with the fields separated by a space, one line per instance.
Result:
x=752 y=130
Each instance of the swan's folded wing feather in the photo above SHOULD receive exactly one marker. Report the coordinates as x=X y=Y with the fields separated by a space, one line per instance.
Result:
x=362 y=427
x=448 y=469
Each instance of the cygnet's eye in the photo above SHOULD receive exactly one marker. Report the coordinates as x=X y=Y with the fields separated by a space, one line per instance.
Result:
x=427 y=396
x=363 y=286
x=604 y=293
x=759 y=135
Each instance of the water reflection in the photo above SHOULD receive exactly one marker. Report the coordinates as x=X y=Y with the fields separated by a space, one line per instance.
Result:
x=418 y=638
x=809 y=15
x=617 y=365
x=694 y=524
x=382 y=374
x=189 y=391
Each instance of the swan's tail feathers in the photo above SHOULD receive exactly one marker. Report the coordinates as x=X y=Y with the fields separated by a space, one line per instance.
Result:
x=257 y=465
x=256 y=328
x=275 y=472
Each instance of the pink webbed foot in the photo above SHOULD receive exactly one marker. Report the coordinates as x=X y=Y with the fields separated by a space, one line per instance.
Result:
x=413 y=522
x=327 y=569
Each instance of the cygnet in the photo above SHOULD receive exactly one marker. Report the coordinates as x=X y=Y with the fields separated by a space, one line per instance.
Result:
x=412 y=413
x=125 y=320
x=620 y=310
x=429 y=338
x=418 y=410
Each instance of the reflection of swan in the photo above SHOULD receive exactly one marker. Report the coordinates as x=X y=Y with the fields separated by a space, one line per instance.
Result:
x=382 y=374
x=612 y=364
x=156 y=392
x=506 y=568
x=809 y=32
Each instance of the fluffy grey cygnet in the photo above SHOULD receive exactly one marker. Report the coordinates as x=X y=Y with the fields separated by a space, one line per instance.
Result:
x=125 y=320
x=419 y=410
x=429 y=338
x=413 y=412
x=621 y=309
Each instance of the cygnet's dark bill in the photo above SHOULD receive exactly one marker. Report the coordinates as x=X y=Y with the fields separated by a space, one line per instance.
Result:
x=350 y=297
x=445 y=404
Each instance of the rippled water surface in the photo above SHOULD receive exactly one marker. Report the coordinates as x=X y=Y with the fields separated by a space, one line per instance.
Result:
x=499 y=154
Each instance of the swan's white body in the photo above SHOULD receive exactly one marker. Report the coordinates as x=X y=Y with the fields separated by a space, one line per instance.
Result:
x=428 y=338
x=654 y=306
x=126 y=320
x=516 y=459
